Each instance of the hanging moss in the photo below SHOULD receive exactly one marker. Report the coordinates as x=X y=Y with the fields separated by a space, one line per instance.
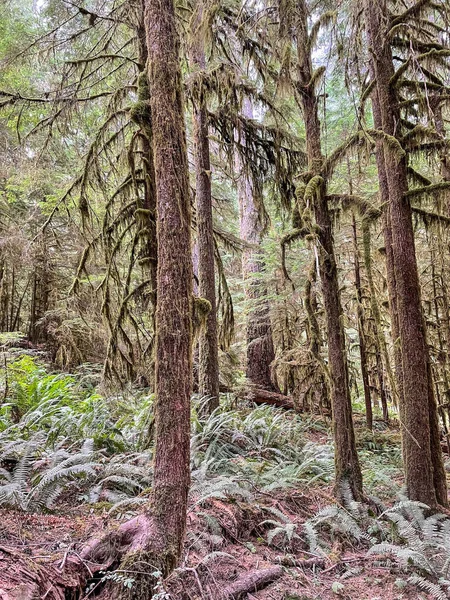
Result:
x=200 y=311
x=143 y=86
x=390 y=142
x=429 y=190
x=313 y=188
x=325 y=20
x=140 y=113
x=297 y=221
x=317 y=78
x=300 y=194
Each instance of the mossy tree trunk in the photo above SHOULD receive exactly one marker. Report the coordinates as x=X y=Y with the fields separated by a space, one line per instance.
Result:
x=208 y=359
x=348 y=471
x=260 y=348
x=397 y=383
x=174 y=282
x=314 y=337
x=146 y=217
x=424 y=472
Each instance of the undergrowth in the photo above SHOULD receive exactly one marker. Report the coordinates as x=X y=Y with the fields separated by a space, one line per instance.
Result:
x=61 y=439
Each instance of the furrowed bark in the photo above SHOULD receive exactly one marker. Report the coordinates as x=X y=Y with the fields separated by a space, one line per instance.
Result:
x=424 y=472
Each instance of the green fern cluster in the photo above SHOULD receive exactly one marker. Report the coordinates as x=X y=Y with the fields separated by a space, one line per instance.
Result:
x=34 y=476
x=237 y=453
x=63 y=406
x=406 y=537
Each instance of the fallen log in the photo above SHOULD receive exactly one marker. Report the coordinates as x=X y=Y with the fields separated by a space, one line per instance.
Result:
x=251 y=582
x=260 y=395
x=308 y=563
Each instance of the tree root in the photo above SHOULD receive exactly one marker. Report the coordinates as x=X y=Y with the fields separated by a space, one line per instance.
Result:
x=27 y=580
x=100 y=554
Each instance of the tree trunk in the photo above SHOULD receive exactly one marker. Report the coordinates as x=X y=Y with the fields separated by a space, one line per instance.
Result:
x=423 y=468
x=153 y=541
x=260 y=349
x=322 y=382
x=380 y=340
x=397 y=383
x=146 y=217
x=361 y=331
x=348 y=471
x=174 y=283
x=208 y=363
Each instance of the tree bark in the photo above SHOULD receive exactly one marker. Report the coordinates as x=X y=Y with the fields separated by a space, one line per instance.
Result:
x=147 y=216
x=314 y=337
x=380 y=340
x=423 y=460
x=173 y=371
x=208 y=358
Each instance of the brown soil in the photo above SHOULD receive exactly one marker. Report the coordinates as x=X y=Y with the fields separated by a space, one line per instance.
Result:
x=38 y=554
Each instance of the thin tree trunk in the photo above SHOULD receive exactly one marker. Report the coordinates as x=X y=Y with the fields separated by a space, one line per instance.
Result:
x=348 y=471
x=147 y=213
x=397 y=383
x=361 y=331
x=380 y=340
x=208 y=364
x=436 y=108
x=323 y=384
x=174 y=283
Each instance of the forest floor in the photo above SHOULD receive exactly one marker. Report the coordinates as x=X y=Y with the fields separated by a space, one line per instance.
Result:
x=31 y=543
x=261 y=504
x=238 y=548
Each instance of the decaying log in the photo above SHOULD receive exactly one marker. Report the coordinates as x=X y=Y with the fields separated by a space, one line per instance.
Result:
x=308 y=563
x=262 y=396
x=251 y=582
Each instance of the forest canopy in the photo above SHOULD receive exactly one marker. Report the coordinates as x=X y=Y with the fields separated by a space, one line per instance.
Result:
x=224 y=299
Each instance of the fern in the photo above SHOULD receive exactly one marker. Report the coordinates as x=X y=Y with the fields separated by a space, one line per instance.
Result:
x=434 y=589
x=123 y=506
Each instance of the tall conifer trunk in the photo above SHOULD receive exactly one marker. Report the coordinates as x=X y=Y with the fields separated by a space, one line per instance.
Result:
x=208 y=359
x=147 y=214
x=153 y=541
x=174 y=281
x=425 y=476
